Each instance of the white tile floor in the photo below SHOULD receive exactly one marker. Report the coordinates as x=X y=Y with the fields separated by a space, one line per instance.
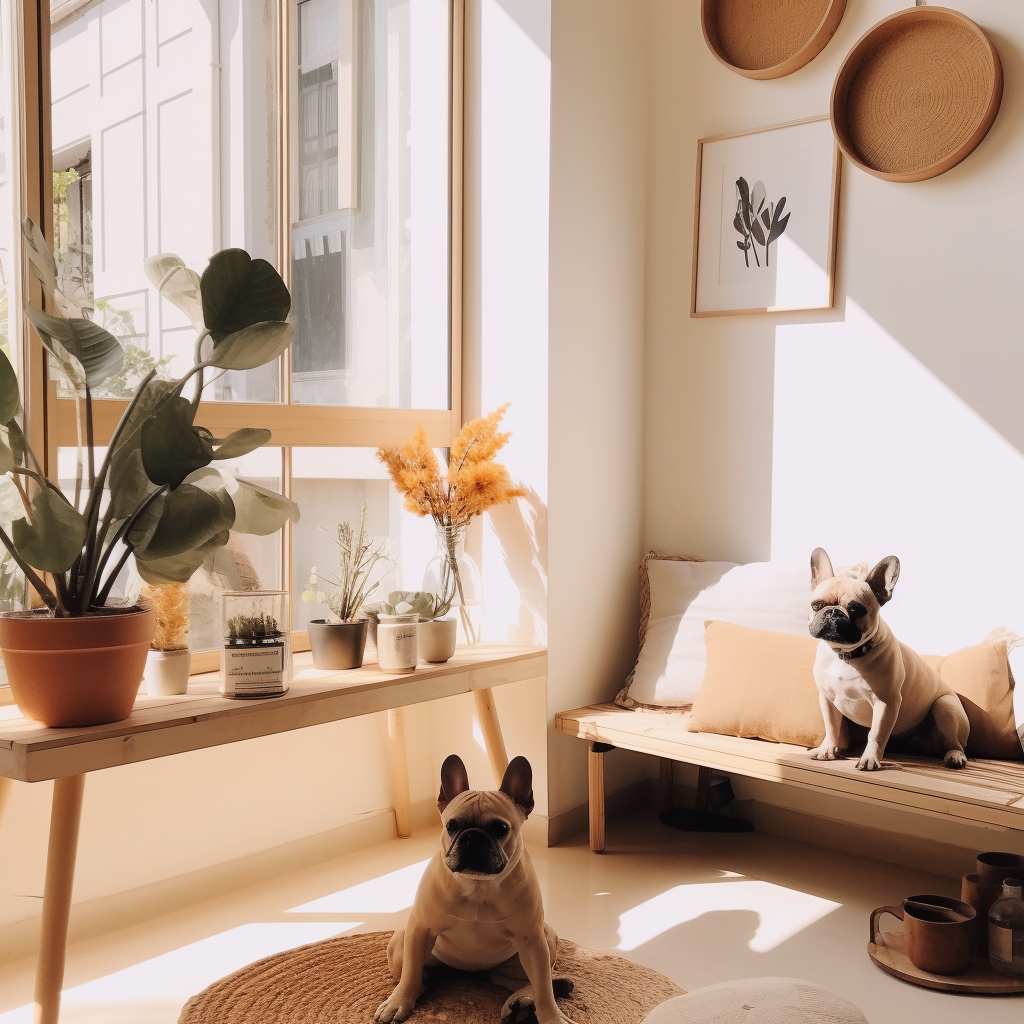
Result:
x=701 y=909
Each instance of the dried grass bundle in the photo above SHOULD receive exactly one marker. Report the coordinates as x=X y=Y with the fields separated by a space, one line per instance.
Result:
x=170 y=603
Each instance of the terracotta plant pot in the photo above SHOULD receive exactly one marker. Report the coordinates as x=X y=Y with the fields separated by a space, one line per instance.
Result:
x=167 y=672
x=436 y=640
x=76 y=672
x=337 y=645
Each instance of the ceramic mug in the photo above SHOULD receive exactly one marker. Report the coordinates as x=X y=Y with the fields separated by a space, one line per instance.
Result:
x=981 y=897
x=995 y=868
x=936 y=931
x=396 y=642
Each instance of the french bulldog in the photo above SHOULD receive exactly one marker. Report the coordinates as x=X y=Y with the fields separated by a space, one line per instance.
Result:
x=478 y=906
x=864 y=674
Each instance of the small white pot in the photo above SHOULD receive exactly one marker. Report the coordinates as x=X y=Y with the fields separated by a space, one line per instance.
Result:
x=437 y=639
x=396 y=642
x=166 y=672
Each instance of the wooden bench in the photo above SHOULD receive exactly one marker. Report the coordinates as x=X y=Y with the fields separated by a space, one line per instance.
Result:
x=988 y=793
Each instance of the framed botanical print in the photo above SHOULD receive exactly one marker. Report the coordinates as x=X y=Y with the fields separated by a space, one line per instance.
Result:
x=765 y=220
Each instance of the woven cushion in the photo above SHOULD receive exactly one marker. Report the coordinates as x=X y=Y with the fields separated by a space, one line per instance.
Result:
x=677 y=596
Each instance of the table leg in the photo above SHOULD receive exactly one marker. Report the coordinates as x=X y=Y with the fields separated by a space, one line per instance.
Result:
x=6 y=789
x=487 y=716
x=399 y=771
x=65 y=816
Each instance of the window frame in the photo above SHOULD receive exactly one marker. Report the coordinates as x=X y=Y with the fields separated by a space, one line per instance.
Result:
x=51 y=421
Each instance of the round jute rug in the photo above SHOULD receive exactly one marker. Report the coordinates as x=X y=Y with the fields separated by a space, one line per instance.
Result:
x=343 y=981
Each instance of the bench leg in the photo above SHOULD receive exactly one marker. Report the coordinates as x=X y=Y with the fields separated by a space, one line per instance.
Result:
x=65 y=816
x=665 y=790
x=6 y=791
x=397 y=755
x=487 y=716
x=595 y=774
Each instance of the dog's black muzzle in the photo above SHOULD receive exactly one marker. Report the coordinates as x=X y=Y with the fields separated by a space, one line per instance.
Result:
x=474 y=850
x=834 y=626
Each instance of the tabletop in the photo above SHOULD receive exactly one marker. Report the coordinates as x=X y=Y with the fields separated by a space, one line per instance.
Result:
x=159 y=726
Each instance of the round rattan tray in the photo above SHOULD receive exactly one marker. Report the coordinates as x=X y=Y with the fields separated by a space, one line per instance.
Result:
x=916 y=94
x=769 y=38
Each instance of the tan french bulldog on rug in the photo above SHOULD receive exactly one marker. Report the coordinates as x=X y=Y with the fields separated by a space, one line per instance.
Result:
x=864 y=674
x=478 y=906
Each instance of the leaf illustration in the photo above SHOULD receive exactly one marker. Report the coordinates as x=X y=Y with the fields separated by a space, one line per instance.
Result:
x=778 y=221
x=743 y=195
x=757 y=197
x=757 y=232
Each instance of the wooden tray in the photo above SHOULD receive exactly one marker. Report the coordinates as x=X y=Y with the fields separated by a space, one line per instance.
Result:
x=916 y=94
x=769 y=38
x=888 y=951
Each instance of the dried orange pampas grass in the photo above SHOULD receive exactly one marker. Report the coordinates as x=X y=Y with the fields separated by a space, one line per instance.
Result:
x=474 y=481
x=170 y=603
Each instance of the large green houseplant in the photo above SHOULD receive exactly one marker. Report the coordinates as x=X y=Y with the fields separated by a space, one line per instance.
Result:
x=154 y=493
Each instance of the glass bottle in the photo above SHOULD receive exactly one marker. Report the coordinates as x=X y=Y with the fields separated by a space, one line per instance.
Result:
x=452 y=575
x=1006 y=929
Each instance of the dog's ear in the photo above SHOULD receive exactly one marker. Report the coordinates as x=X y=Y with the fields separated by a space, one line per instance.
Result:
x=517 y=783
x=882 y=579
x=454 y=780
x=821 y=567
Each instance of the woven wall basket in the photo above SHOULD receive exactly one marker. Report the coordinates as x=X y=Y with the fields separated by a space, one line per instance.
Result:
x=769 y=38
x=916 y=94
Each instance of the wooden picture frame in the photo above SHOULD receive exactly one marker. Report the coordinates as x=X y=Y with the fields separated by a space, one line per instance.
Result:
x=793 y=220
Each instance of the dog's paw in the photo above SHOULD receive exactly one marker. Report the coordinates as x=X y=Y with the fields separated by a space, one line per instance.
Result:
x=519 y=1009
x=394 y=1009
x=826 y=752
x=870 y=763
x=955 y=759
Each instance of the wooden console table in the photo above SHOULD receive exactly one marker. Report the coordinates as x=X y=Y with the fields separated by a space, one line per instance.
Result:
x=160 y=726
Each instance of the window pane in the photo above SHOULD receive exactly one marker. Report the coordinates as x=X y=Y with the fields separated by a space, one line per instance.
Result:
x=370 y=203
x=164 y=140
x=244 y=563
x=330 y=485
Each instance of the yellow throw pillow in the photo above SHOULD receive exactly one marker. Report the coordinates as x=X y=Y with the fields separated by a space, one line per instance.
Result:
x=760 y=685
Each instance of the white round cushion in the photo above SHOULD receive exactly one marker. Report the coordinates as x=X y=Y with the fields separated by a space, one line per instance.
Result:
x=758 y=1001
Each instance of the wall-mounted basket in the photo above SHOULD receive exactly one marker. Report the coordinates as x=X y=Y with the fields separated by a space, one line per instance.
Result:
x=916 y=94
x=769 y=38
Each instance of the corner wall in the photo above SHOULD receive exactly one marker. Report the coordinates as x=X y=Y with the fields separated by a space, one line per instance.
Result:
x=595 y=368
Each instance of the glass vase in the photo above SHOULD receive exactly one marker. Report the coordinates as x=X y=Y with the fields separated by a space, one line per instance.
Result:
x=454 y=579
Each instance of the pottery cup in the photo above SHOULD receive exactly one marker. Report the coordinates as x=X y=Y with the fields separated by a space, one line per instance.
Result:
x=995 y=868
x=981 y=897
x=937 y=932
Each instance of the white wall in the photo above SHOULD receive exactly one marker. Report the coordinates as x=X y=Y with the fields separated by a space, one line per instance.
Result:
x=595 y=366
x=892 y=424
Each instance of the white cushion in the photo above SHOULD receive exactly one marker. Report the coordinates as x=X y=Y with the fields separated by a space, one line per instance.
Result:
x=685 y=595
x=758 y=1001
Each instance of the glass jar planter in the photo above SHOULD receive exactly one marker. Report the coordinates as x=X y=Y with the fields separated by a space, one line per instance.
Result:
x=256 y=652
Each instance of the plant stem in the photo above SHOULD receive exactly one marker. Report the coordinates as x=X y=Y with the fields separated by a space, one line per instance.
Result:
x=47 y=595
x=78 y=456
x=89 y=439
x=101 y=598
x=122 y=532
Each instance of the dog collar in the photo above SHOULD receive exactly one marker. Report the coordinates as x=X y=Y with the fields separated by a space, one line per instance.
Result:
x=857 y=652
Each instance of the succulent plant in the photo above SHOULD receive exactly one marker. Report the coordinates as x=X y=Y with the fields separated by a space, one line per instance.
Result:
x=406 y=602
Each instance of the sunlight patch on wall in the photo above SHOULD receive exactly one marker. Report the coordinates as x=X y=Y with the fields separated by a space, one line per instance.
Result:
x=172 y=978
x=386 y=894
x=782 y=912
x=875 y=455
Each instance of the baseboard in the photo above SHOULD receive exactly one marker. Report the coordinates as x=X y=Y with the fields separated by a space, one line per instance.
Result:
x=20 y=939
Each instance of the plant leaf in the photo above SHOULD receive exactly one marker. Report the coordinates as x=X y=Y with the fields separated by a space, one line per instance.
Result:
x=779 y=222
x=239 y=291
x=197 y=511
x=55 y=536
x=755 y=230
x=252 y=346
x=10 y=396
x=258 y=510
x=96 y=350
x=6 y=458
x=240 y=442
x=757 y=197
x=178 y=285
x=16 y=440
x=128 y=483
x=172 y=447
x=179 y=568
x=40 y=258
x=743 y=197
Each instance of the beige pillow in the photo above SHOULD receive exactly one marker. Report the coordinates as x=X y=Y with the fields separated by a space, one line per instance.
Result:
x=758 y=684
x=980 y=674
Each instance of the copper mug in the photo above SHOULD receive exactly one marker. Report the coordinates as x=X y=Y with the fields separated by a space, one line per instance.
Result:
x=981 y=897
x=937 y=932
x=995 y=868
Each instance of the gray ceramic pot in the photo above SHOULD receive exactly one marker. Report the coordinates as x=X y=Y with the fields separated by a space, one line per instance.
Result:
x=337 y=645
x=437 y=639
